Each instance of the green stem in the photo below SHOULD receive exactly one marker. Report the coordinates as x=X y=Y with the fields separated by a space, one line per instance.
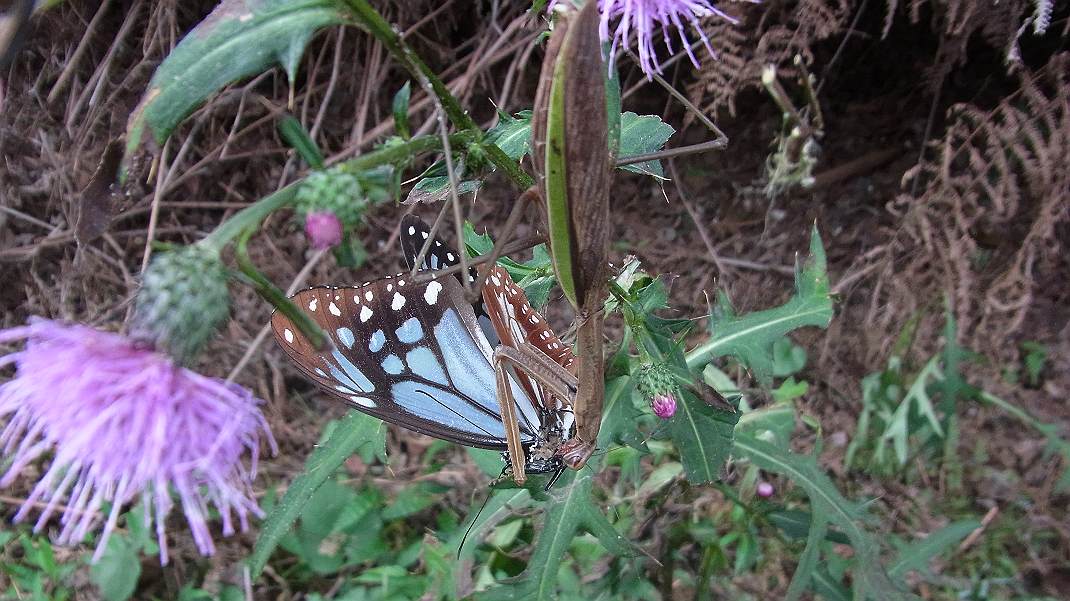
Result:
x=275 y=296
x=385 y=33
x=251 y=216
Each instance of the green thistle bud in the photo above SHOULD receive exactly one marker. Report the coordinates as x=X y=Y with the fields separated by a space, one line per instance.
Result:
x=654 y=379
x=182 y=302
x=335 y=191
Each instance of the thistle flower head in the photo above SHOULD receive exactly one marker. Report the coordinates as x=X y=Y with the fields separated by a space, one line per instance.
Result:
x=324 y=229
x=664 y=405
x=645 y=17
x=182 y=302
x=656 y=382
x=332 y=190
x=122 y=423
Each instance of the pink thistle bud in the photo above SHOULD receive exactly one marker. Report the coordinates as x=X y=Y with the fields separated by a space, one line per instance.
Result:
x=664 y=405
x=324 y=229
x=765 y=490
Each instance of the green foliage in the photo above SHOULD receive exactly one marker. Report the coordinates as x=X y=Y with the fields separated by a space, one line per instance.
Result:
x=637 y=135
x=29 y=563
x=355 y=432
x=298 y=138
x=240 y=38
x=400 y=108
x=535 y=276
x=643 y=135
x=828 y=506
x=117 y=572
x=751 y=337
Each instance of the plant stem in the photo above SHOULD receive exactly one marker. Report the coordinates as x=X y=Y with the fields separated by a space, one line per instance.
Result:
x=251 y=216
x=275 y=296
x=379 y=27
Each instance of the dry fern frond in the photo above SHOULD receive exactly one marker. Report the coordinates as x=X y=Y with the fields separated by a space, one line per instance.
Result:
x=768 y=34
x=995 y=190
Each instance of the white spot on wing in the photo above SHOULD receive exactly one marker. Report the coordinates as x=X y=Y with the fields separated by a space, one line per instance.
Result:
x=288 y=335
x=431 y=294
x=312 y=304
x=368 y=295
x=365 y=314
x=398 y=302
x=334 y=309
x=363 y=401
x=412 y=231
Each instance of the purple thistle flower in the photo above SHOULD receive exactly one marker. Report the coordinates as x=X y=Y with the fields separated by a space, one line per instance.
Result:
x=664 y=405
x=765 y=490
x=645 y=16
x=123 y=423
x=324 y=229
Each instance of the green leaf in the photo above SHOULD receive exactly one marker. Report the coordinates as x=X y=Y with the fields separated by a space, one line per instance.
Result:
x=916 y=556
x=828 y=504
x=512 y=134
x=788 y=357
x=295 y=134
x=401 y=111
x=240 y=38
x=751 y=337
x=354 y=432
x=789 y=390
x=804 y=570
x=117 y=571
x=703 y=435
x=430 y=190
x=643 y=135
x=571 y=508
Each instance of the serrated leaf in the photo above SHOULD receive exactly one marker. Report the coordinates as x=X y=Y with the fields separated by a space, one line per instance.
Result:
x=571 y=508
x=702 y=435
x=240 y=38
x=916 y=556
x=352 y=433
x=750 y=337
x=870 y=578
x=643 y=135
x=117 y=571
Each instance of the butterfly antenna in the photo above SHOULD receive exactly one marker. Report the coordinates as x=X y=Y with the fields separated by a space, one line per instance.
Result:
x=476 y=518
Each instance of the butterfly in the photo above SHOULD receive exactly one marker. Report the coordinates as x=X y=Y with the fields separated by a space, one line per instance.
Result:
x=412 y=352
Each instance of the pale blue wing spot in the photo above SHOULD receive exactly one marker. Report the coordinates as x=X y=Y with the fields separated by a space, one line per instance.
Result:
x=344 y=388
x=410 y=331
x=423 y=363
x=321 y=373
x=377 y=341
x=346 y=336
x=446 y=408
x=473 y=375
x=350 y=372
x=393 y=365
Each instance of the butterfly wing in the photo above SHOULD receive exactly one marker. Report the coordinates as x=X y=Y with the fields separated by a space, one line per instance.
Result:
x=410 y=354
x=414 y=232
x=516 y=321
